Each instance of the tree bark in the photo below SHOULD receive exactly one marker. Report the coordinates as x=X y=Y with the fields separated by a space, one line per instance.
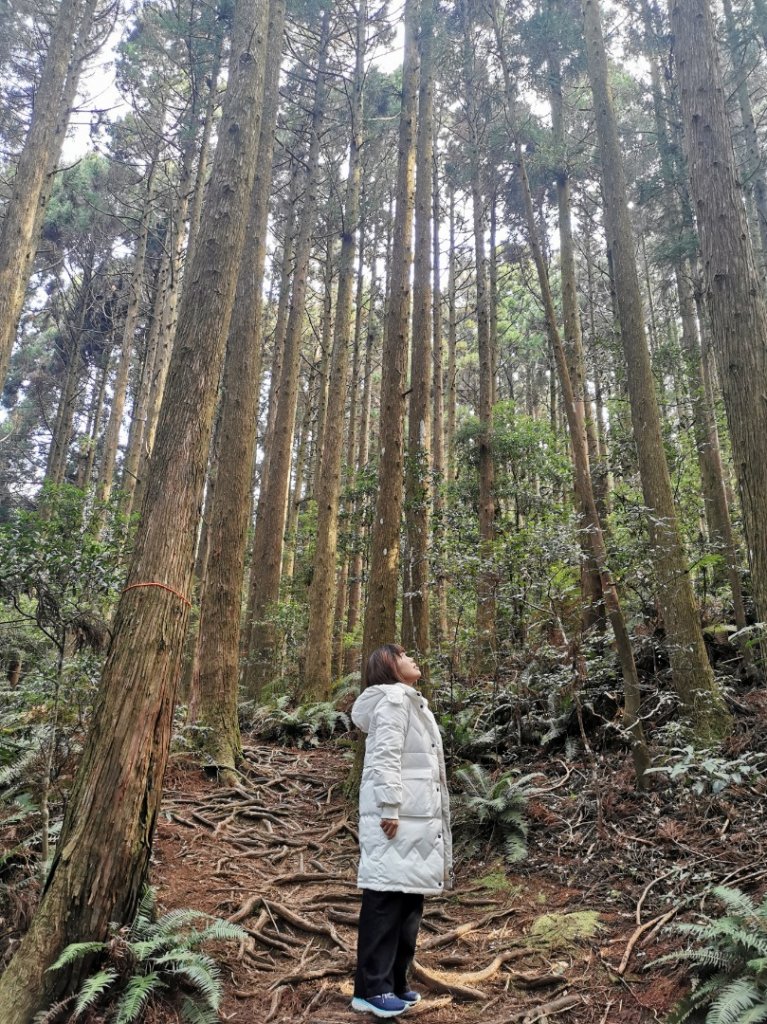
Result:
x=485 y=618
x=734 y=291
x=220 y=603
x=103 y=853
x=269 y=535
x=692 y=676
x=381 y=610
x=135 y=293
x=418 y=496
x=319 y=636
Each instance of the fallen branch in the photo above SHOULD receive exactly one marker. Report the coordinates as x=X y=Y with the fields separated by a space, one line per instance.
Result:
x=656 y=922
x=301 y=876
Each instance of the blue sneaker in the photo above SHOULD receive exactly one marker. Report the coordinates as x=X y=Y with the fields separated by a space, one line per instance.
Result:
x=387 y=1005
x=410 y=997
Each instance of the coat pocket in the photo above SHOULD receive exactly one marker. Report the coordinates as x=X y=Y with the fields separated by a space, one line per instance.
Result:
x=420 y=794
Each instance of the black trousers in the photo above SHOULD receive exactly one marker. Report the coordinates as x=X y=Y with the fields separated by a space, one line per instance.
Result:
x=388 y=930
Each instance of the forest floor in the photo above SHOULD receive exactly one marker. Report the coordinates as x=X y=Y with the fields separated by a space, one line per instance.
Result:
x=567 y=935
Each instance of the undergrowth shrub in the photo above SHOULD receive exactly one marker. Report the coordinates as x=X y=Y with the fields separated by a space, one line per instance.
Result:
x=731 y=960
x=154 y=959
x=306 y=725
x=490 y=811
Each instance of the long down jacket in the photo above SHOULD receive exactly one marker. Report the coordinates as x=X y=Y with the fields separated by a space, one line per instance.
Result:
x=403 y=777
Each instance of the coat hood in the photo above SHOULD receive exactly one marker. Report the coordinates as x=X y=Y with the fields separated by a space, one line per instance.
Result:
x=366 y=703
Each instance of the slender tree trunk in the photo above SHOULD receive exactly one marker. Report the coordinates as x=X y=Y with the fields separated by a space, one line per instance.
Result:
x=203 y=160
x=485 y=622
x=42 y=145
x=270 y=525
x=733 y=288
x=381 y=611
x=754 y=163
x=135 y=293
x=418 y=495
x=283 y=305
x=103 y=853
x=319 y=637
x=692 y=676
x=452 y=339
x=220 y=603
x=323 y=374
x=62 y=433
x=438 y=420
x=354 y=602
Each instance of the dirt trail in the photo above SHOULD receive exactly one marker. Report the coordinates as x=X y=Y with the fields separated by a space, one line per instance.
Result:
x=278 y=855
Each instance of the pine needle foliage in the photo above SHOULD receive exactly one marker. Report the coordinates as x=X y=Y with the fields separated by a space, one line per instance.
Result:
x=731 y=957
x=491 y=810
x=155 y=957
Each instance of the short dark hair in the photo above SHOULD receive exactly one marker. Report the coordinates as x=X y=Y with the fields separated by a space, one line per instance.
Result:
x=382 y=665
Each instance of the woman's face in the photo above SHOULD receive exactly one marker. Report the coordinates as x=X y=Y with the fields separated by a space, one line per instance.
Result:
x=407 y=670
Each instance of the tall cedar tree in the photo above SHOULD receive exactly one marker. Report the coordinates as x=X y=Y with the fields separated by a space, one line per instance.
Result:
x=733 y=287
x=103 y=853
x=220 y=604
x=319 y=639
x=381 y=610
x=692 y=675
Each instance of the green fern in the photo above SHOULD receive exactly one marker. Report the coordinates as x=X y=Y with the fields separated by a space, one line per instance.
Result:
x=93 y=988
x=153 y=956
x=733 y=946
x=492 y=810
x=134 y=999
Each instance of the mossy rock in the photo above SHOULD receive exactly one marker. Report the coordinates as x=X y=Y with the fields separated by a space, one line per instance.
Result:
x=557 y=931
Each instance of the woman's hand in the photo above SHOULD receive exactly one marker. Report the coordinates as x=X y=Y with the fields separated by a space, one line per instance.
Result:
x=389 y=825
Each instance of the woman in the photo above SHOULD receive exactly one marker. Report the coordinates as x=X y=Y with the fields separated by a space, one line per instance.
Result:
x=405 y=839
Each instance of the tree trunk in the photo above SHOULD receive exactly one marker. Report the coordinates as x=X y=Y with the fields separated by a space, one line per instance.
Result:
x=593 y=614
x=418 y=496
x=135 y=293
x=22 y=213
x=381 y=610
x=62 y=433
x=452 y=338
x=753 y=171
x=692 y=676
x=103 y=853
x=438 y=420
x=319 y=635
x=269 y=535
x=732 y=284
x=485 y=621
x=354 y=604
x=220 y=603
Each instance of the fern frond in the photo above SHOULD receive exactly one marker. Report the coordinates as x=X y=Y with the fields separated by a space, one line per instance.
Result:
x=756 y=1015
x=134 y=999
x=145 y=913
x=192 y=1012
x=52 y=1014
x=76 y=951
x=735 y=901
x=733 y=1000
x=516 y=849
x=93 y=988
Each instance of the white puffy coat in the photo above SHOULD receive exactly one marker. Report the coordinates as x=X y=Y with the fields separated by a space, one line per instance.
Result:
x=403 y=777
